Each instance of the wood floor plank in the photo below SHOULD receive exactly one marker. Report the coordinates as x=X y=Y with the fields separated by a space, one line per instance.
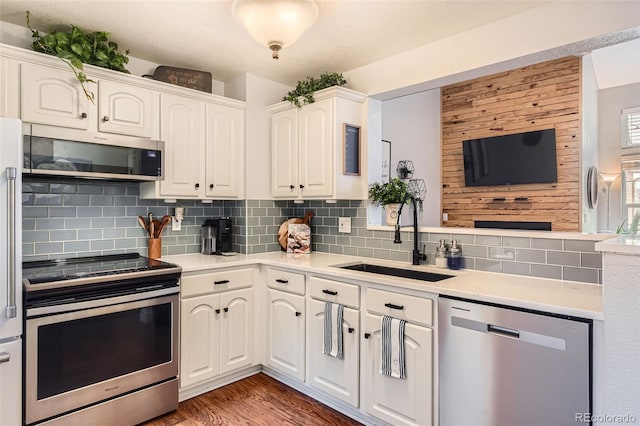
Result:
x=258 y=400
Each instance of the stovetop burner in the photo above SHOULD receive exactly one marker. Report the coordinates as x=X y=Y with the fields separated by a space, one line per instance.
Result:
x=49 y=271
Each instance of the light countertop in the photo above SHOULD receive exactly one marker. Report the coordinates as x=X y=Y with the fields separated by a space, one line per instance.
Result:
x=548 y=295
x=622 y=244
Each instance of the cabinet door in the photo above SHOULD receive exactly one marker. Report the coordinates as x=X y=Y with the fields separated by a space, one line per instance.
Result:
x=316 y=147
x=182 y=130
x=199 y=339
x=224 y=148
x=51 y=96
x=284 y=154
x=337 y=377
x=285 y=340
x=126 y=110
x=400 y=402
x=11 y=379
x=236 y=330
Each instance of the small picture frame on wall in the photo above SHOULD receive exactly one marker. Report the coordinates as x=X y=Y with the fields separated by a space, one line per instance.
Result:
x=351 y=137
x=385 y=173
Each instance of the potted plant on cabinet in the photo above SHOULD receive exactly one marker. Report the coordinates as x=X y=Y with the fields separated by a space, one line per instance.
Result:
x=389 y=195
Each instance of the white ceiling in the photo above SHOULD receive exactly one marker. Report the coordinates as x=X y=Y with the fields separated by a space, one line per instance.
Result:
x=203 y=35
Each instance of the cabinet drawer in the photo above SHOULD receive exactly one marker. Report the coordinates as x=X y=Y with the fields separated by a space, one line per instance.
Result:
x=410 y=308
x=213 y=282
x=286 y=281
x=335 y=291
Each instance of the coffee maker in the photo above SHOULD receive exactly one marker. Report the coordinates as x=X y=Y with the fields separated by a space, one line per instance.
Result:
x=216 y=235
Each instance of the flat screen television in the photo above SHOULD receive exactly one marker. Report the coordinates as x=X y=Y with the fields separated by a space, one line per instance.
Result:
x=511 y=159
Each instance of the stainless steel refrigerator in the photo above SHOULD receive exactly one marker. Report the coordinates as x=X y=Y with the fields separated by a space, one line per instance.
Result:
x=10 y=272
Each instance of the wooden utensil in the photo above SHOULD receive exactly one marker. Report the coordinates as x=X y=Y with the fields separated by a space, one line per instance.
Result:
x=156 y=228
x=143 y=223
x=165 y=221
x=152 y=228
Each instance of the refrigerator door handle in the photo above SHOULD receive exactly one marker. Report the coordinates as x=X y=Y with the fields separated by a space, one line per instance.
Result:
x=11 y=216
x=5 y=357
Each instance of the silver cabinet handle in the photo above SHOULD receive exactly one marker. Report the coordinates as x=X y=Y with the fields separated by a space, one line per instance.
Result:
x=5 y=357
x=12 y=173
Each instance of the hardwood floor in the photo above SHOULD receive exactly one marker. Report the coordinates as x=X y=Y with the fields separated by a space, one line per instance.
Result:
x=256 y=400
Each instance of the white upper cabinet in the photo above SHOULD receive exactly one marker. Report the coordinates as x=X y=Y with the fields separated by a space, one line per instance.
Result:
x=204 y=150
x=54 y=97
x=126 y=109
x=224 y=150
x=182 y=130
x=284 y=153
x=308 y=147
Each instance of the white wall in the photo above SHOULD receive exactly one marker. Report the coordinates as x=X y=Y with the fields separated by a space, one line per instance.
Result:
x=552 y=30
x=412 y=124
x=259 y=93
x=589 y=154
x=611 y=102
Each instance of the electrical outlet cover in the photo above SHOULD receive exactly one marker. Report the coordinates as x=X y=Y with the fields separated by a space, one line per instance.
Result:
x=344 y=225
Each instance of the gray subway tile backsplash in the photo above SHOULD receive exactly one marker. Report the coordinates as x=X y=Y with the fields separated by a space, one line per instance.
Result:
x=579 y=245
x=100 y=218
x=563 y=258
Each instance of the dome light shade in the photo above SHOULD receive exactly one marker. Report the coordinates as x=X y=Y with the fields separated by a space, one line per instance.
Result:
x=275 y=23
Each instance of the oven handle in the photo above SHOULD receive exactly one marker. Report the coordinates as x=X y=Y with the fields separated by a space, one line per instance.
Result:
x=11 y=204
x=97 y=303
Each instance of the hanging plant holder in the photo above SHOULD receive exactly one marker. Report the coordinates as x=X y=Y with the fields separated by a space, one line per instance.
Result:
x=405 y=169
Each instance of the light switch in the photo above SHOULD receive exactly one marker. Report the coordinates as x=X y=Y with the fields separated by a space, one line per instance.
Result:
x=344 y=225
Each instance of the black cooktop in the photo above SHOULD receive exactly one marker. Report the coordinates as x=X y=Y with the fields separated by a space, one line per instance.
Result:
x=49 y=271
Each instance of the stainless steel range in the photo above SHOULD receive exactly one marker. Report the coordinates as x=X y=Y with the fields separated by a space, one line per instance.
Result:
x=101 y=340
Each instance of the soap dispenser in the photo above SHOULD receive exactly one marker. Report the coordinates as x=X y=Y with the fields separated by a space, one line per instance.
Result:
x=441 y=255
x=454 y=261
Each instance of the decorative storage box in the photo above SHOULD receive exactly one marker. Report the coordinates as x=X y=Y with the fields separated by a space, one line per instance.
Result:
x=299 y=240
x=192 y=79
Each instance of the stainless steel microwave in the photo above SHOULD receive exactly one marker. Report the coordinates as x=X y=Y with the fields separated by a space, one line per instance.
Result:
x=53 y=151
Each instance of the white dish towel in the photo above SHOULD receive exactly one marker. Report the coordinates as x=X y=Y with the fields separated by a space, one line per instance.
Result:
x=392 y=354
x=333 y=313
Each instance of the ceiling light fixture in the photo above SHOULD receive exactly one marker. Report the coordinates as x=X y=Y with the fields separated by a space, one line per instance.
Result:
x=275 y=23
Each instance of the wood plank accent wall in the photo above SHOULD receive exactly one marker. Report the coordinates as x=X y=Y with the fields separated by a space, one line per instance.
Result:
x=537 y=97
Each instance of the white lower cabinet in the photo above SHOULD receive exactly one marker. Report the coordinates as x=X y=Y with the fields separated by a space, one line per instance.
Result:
x=337 y=377
x=286 y=333
x=400 y=402
x=216 y=335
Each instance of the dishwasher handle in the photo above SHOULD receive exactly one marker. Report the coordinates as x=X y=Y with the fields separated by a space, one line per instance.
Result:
x=509 y=332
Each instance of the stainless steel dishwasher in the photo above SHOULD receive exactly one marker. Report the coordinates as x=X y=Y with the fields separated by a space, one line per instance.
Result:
x=504 y=366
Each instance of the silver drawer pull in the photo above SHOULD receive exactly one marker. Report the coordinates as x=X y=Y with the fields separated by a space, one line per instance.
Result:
x=5 y=357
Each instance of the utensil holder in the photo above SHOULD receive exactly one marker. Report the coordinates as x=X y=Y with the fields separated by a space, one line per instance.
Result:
x=155 y=248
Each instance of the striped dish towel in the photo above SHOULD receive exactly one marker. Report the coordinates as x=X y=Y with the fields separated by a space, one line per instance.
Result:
x=392 y=353
x=333 y=329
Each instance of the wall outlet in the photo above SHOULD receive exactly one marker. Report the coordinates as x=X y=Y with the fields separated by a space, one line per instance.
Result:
x=445 y=217
x=176 y=225
x=344 y=225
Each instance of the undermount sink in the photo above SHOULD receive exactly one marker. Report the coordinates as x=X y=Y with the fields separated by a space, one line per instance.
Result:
x=397 y=272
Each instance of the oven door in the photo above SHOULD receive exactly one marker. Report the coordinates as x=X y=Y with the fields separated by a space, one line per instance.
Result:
x=77 y=357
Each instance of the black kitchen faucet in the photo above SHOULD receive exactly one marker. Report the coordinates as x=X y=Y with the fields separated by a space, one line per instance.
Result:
x=416 y=255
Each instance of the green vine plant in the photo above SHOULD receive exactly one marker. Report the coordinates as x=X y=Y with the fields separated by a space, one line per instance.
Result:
x=75 y=47
x=306 y=88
